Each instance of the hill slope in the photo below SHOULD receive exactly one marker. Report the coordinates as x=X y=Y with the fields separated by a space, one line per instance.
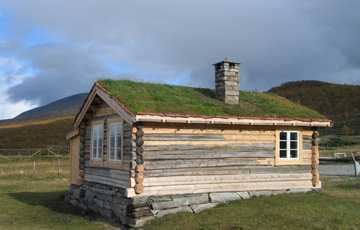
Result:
x=67 y=106
x=340 y=103
x=43 y=126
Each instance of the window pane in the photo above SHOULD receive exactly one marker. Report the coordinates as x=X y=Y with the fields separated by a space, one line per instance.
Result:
x=112 y=130
x=283 y=144
x=283 y=135
x=94 y=152
x=282 y=153
x=118 y=128
x=111 y=154
x=118 y=154
x=293 y=144
x=293 y=136
x=100 y=132
x=293 y=153
x=112 y=142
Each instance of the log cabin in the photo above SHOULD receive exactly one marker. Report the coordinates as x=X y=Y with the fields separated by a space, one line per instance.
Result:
x=140 y=151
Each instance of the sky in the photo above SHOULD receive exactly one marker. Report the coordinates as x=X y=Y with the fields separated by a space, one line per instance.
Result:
x=53 y=49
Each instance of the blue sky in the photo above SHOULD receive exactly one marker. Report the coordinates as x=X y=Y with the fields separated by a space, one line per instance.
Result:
x=53 y=49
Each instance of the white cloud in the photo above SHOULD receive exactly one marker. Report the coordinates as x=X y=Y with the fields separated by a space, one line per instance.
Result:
x=12 y=74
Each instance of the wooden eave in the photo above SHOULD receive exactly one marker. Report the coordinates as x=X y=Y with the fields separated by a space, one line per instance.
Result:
x=113 y=102
x=231 y=120
x=72 y=133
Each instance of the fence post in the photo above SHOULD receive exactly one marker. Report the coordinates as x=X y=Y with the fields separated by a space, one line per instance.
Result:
x=10 y=172
x=58 y=166
x=34 y=168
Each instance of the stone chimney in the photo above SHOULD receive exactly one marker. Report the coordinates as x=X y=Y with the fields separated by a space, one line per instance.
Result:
x=227 y=81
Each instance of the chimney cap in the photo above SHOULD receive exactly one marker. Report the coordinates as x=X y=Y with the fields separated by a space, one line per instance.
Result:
x=228 y=60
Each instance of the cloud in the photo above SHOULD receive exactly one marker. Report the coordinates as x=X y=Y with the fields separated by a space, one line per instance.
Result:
x=71 y=44
x=11 y=74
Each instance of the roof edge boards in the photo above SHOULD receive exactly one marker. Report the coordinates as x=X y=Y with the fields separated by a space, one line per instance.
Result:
x=188 y=119
x=115 y=104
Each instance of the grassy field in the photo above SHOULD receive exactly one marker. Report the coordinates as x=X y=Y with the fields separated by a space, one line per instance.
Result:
x=37 y=202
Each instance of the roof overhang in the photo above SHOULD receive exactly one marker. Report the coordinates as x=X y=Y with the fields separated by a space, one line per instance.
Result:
x=113 y=102
x=229 y=120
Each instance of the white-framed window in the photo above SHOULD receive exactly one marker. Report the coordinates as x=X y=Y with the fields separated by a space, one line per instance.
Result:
x=115 y=140
x=288 y=146
x=97 y=142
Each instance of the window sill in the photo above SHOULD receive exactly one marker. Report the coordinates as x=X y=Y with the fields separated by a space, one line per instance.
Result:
x=96 y=161
x=289 y=162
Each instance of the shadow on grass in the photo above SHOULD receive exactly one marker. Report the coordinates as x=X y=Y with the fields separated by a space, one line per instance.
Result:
x=55 y=201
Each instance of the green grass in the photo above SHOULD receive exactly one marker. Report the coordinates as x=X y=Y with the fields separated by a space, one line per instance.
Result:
x=37 y=202
x=162 y=98
x=336 y=208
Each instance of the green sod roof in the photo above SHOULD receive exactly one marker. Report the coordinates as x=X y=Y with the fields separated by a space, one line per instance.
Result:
x=171 y=99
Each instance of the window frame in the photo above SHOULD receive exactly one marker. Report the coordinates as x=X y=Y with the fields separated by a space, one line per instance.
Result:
x=112 y=162
x=288 y=160
x=99 y=159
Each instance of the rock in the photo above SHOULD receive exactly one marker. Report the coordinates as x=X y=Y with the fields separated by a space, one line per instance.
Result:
x=220 y=197
x=106 y=212
x=104 y=197
x=76 y=194
x=83 y=206
x=197 y=208
x=278 y=192
x=74 y=202
x=67 y=198
x=260 y=193
x=94 y=208
x=164 y=212
x=118 y=209
x=316 y=189
x=244 y=195
x=300 y=190
x=89 y=196
x=121 y=200
x=160 y=198
x=181 y=201
x=141 y=213
x=141 y=200
x=107 y=205
x=99 y=203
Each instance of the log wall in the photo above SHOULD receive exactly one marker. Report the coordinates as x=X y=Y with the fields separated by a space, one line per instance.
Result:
x=180 y=159
x=106 y=172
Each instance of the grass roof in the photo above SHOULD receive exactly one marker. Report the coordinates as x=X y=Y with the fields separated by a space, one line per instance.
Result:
x=171 y=99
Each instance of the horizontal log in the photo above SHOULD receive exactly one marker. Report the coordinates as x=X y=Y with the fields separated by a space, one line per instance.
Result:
x=125 y=165
x=226 y=170
x=240 y=146
x=307 y=153
x=206 y=163
x=108 y=181
x=207 y=137
x=205 y=188
x=182 y=129
x=106 y=172
x=218 y=179
x=209 y=154
x=172 y=137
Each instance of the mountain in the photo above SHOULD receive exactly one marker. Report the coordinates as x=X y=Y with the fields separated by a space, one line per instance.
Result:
x=338 y=102
x=43 y=126
x=68 y=106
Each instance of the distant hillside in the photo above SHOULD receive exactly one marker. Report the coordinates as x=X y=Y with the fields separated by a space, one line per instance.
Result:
x=43 y=126
x=64 y=107
x=340 y=103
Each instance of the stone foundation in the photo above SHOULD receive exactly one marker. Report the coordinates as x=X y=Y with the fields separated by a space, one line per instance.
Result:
x=110 y=202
